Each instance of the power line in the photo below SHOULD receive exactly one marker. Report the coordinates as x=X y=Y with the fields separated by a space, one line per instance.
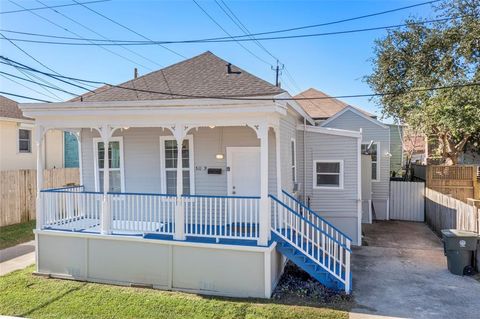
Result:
x=56 y=6
x=413 y=90
x=31 y=81
x=25 y=73
x=213 y=40
x=338 y=21
x=242 y=27
x=27 y=87
x=129 y=29
x=36 y=60
x=24 y=97
x=74 y=33
x=104 y=37
x=231 y=37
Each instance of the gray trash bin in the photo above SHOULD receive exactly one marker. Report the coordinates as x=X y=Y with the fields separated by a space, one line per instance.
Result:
x=459 y=247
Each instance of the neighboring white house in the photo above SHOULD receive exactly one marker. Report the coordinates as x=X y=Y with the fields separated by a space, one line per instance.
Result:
x=17 y=146
x=218 y=217
x=329 y=112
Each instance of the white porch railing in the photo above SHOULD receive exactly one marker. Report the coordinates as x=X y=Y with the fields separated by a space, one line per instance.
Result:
x=221 y=216
x=315 y=219
x=313 y=236
x=142 y=212
x=71 y=208
x=217 y=217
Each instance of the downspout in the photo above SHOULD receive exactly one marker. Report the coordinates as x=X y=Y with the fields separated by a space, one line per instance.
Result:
x=304 y=160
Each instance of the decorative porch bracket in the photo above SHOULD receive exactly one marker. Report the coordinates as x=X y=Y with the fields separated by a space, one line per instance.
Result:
x=39 y=141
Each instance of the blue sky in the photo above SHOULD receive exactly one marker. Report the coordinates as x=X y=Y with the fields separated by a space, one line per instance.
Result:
x=334 y=64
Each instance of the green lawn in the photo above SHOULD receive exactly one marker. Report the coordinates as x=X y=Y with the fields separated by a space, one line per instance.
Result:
x=23 y=294
x=16 y=234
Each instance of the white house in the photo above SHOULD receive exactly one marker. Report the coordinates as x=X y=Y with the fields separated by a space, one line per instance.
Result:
x=329 y=112
x=221 y=216
x=17 y=150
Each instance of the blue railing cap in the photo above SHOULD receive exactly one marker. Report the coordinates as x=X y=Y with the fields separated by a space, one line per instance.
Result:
x=221 y=196
x=59 y=189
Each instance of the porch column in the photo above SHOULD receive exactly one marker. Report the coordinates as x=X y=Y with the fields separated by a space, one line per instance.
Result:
x=179 y=134
x=278 y=161
x=264 y=217
x=105 y=220
x=39 y=141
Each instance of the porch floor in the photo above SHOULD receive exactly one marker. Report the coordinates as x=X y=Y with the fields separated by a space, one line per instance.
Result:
x=92 y=226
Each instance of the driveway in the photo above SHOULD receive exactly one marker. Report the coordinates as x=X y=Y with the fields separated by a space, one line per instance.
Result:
x=402 y=272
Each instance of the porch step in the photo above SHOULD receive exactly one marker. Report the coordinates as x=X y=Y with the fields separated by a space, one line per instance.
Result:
x=308 y=264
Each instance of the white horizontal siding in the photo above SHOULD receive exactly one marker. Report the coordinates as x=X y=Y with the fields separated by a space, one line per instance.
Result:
x=142 y=157
x=370 y=131
x=337 y=205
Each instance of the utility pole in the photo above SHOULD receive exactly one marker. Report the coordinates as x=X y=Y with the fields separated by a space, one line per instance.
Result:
x=277 y=70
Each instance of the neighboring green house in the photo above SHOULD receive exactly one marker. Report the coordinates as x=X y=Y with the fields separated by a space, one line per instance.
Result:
x=70 y=154
x=396 y=149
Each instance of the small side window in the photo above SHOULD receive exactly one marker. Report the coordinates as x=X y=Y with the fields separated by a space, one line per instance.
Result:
x=24 y=141
x=328 y=174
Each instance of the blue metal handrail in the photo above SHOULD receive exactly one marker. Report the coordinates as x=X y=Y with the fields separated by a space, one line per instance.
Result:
x=142 y=194
x=316 y=214
x=309 y=222
x=61 y=188
x=221 y=196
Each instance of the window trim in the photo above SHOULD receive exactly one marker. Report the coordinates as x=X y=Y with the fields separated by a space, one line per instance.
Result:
x=163 y=175
x=30 y=140
x=97 y=169
x=341 y=174
x=377 y=161
x=294 y=164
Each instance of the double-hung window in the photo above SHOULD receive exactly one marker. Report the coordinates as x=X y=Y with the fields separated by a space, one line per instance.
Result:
x=373 y=151
x=293 y=154
x=115 y=164
x=168 y=156
x=24 y=141
x=328 y=174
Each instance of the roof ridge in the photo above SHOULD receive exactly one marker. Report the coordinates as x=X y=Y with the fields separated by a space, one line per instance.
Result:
x=204 y=75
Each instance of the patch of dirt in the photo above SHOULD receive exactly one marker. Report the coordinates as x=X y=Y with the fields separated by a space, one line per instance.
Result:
x=297 y=287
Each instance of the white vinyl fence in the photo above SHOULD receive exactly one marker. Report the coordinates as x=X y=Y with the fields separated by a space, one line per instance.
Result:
x=407 y=201
x=445 y=212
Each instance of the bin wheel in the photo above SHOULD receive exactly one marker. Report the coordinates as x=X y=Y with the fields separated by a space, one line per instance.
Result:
x=469 y=271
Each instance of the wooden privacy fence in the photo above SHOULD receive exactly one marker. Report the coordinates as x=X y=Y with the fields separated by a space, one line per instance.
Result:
x=18 y=191
x=407 y=201
x=445 y=212
x=459 y=181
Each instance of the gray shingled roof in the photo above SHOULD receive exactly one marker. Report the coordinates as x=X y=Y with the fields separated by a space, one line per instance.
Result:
x=9 y=108
x=203 y=75
x=324 y=107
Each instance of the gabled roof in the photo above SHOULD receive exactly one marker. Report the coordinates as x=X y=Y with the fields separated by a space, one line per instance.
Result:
x=202 y=75
x=322 y=108
x=9 y=109
x=356 y=111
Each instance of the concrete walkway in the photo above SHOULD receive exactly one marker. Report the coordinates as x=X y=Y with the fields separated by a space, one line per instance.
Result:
x=17 y=257
x=402 y=273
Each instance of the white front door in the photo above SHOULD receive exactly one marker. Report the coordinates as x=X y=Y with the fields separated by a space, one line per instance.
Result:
x=243 y=171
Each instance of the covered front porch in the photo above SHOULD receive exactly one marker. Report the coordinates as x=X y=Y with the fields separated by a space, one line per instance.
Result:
x=215 y=188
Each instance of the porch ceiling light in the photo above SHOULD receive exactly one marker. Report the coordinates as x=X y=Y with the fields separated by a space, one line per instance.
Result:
x=211 y=126
x=219 y=156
